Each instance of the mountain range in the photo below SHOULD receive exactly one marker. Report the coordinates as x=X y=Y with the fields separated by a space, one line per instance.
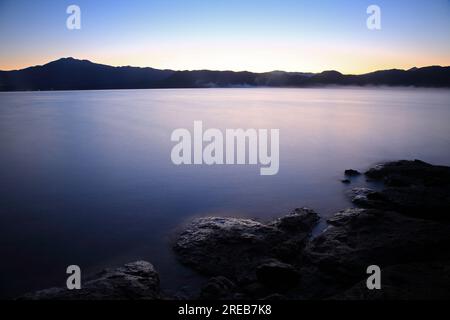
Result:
x=74 y=74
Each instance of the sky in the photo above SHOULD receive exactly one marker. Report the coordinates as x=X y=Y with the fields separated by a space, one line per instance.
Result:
x=258 y=36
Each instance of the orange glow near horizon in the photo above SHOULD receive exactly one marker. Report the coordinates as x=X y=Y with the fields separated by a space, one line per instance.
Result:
x=297 y=59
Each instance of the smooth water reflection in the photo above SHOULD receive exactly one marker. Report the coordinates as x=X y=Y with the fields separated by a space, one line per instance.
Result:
x=86 y=177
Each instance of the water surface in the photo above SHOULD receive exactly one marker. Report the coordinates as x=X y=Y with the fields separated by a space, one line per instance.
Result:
x=86 y=177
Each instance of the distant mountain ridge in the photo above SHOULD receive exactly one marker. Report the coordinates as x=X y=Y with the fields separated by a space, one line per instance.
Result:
x=74 y=74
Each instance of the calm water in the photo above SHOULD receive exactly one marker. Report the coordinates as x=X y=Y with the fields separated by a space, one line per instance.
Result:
x=86 y=177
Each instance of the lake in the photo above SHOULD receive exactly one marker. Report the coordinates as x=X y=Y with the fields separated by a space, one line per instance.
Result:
x=86 y=177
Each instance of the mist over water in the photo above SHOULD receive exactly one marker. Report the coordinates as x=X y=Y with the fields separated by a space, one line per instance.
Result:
x=86 y=177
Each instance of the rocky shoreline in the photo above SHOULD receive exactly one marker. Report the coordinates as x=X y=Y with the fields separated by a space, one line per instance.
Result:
x=403 y=228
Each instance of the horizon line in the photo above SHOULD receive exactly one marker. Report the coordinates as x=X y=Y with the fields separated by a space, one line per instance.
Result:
x=216 y=70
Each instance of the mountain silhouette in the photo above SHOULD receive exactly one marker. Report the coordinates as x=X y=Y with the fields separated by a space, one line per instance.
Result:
x=74 y=74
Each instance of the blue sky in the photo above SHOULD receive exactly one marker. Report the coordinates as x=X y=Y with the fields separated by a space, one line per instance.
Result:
x=228 y=35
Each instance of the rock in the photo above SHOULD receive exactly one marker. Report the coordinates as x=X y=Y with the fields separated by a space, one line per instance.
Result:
x=402 y=229
x=368 y=198
x=418 y=201
x=352 y=173
x=407 y=173
x=300 y=220
x=224 y=246
x=218 y=288
x=234 y=247
x=363 y=196
x=360 y=192
x=277 y=275
x=413 y=188
x=417 y=281
x=136 y=280
x=256 y=290
x=275 y=297
x=357 y=238
x=343 y=217
x=345 y=181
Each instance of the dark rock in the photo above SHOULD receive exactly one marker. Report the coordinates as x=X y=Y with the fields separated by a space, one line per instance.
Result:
x=342 y=218
x=418 y=201
x=407 y=173
x=364 y=197
x=352 y=173
x=136 y=280
x=414 y=188
x=275 y=297
x=277 y=275
x=218 y=288
x=256 y=290
x=234 y=247
x=224 y=246
x=345 y=181
x=300 y=220
x=401 y=228
x=358 y=238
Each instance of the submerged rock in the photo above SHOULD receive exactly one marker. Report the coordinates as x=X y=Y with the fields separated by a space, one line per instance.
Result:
x=136 y=280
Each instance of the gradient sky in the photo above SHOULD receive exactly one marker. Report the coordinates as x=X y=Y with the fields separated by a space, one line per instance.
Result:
x=249 y=35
